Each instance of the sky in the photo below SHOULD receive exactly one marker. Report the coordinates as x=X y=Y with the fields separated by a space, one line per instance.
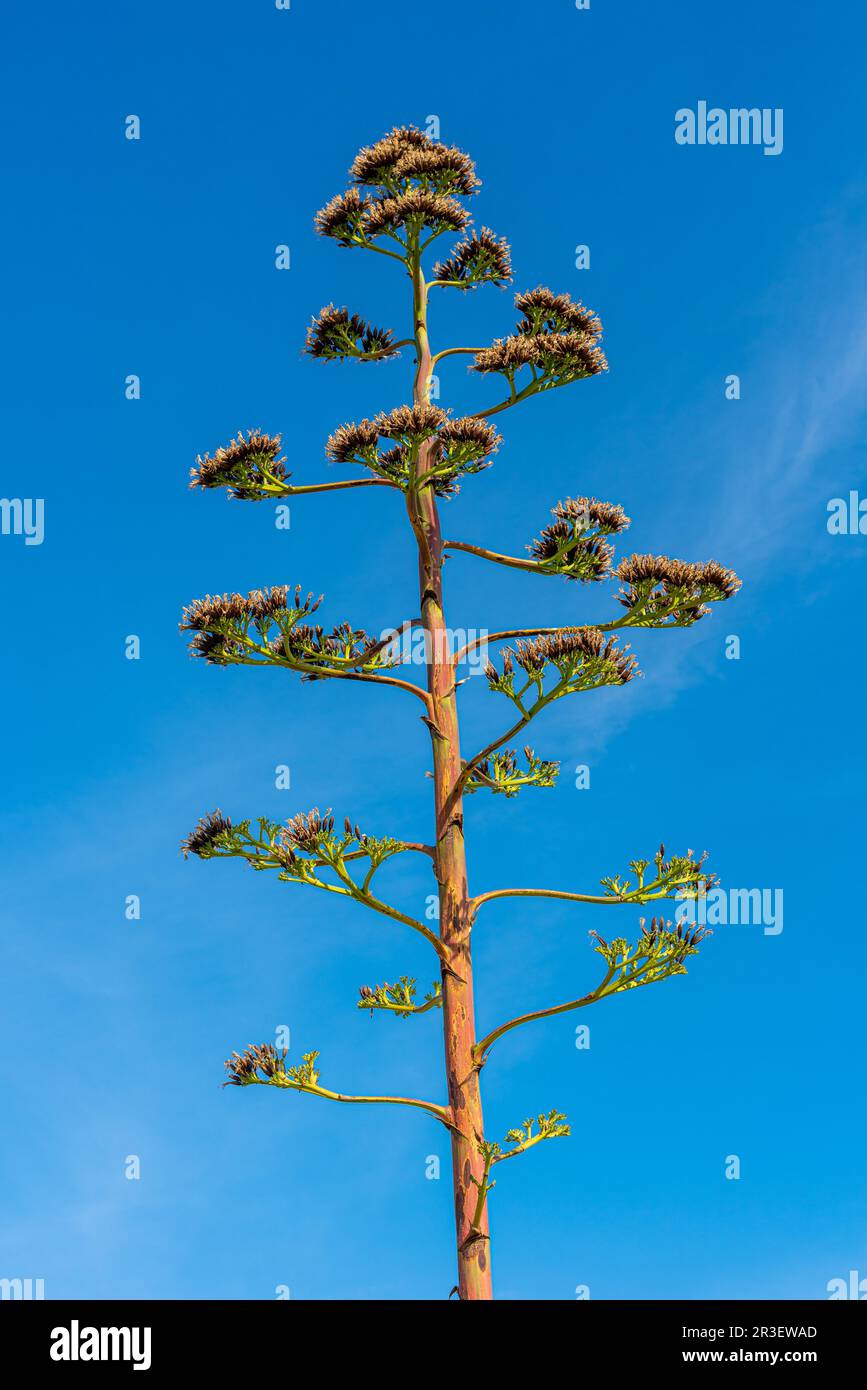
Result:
x=125 y=1170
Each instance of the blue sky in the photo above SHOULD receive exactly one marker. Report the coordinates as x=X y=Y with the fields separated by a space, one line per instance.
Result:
x=156 y=257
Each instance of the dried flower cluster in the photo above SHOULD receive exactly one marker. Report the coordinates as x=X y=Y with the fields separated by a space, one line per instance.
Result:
x=209 y=831
x=263 y=1064
x=582 y=657
x=343 y=218
x=545 y=312
x=460 y=447
x=573 y=545
x=407 y=158
x=265 y=628
x=663 y=592
x=336 y=335
x=416 y=185
x=250 y=467
x=482 y=258
x=557 y=339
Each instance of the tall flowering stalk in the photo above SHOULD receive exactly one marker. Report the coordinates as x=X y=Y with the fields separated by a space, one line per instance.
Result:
x=408 y=191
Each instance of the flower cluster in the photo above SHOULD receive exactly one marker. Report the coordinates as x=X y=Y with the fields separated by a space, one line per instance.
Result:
x=581 y=657
x=480 y=259
x=407 y=160
x=250 y=467
x=557 y=339
x=399 y=998
x=572 y=544
x=457 y=447
x=550 y=1126
x=211 y=833
x=416 y=183
x=319 y=654
x=313 y=835
x=265 y=628
x=501 y=773
x=659 y=953
x=545 y=312
x=433 y=212
x=336 y=335
x=518 y=1140
x=343 y=218
x=262 y=1065
x=660 y=592
x=681 y=876
x=304 y=844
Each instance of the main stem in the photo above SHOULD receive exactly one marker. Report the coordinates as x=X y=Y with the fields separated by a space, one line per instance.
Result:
x=462 y=1071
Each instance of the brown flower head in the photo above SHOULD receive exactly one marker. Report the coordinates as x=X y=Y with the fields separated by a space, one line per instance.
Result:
x=575 y=647
x=335 y=334
x=307 y=830
x=649 y=569
x=717 y=582
x=569 y=356
x=352 y=442
x=572 y=544
x=545 y=312
x=209 y=612
x=410 y=423
x=587 y=558
x=506 y=355
x=245 y=465
x=589 y=514
x=220 y=621
x=375 y=163
x=262 y=1059
x=468 y=438
x=658 y=588
x=343 y=217
x=209 y=829
x=438 y=169
x=435 y=211
x=560 y=356
x=481 y=259
x=456 y=446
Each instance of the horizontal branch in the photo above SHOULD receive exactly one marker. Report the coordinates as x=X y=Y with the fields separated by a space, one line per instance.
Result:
x=476 y=903
x=455 y=351
x=633 y=897
x=510 y=561
x=440 y=1112
x=291 y=490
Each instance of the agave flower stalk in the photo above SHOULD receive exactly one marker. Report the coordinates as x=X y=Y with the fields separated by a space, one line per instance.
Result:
x=407 y=192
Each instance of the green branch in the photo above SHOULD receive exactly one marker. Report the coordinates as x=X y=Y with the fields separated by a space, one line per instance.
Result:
x=263 y=1065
